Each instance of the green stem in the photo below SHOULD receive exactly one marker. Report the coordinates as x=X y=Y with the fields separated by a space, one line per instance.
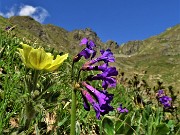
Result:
x=78 y=75
x=73 y=112
x=72 y=71
x=30 y=114
x=35 y=79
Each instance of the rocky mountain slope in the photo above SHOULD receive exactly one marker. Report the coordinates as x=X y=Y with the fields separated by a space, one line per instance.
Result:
x=155 y=58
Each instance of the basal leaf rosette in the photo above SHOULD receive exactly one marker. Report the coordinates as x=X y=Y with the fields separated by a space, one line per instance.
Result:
x=38 y=59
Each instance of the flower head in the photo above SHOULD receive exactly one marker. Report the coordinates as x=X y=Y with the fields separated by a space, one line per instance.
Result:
x=106 y=56
x=122 y=110
x=87 y=97
x=40 y=60
x=103 y=98
x=86 y=52
x=106 y=77
x=165 y=100
x=160 y=93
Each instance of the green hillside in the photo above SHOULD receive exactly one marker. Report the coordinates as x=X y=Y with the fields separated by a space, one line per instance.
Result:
x=157 y=55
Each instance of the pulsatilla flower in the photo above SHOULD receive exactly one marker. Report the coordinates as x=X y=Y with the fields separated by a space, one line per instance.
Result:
x=101 y=98
x=38 y=59
x=122 y=110
x=86 y=52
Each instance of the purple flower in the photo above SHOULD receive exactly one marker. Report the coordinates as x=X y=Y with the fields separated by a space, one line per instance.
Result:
x=106 y=77
x=160 y=93
x=102 y=97
x=122 y=110
x=89 y=44
x=165 y=100
x=97 y=68
x=86 y=52
x=107 y=56
x=84 y=41
x=7 y=28
x=87 y=97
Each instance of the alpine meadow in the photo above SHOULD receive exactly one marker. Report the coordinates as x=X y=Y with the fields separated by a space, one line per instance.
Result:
x=59 y=82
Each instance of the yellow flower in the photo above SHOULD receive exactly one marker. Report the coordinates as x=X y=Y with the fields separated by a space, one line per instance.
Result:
x=40 y=60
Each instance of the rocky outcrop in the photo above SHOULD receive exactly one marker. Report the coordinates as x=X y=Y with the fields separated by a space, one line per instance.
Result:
x=131 y=47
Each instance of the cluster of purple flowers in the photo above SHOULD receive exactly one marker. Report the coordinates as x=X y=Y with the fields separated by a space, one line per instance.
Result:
x=163 y=99
x=99 y=99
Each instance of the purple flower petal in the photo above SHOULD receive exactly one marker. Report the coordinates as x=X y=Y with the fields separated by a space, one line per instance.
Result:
x=86 y=105
x=110 y=72
x=87 y=51
x=107 y=56
x=91 y=45
x=103 y=98
x=108 y=81
x=160 y=93
x=122 y=110
x=165 y=100
x=84 y=41
x=94 y=104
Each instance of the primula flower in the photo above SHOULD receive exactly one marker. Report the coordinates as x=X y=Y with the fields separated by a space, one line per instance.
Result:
x=100 y=102
x=87 y=51
x=122 y=110
x=102 y=96
x=107 y=56
x=87 y=97
x=99 y=68
x=40 y=60
x=106 y=77
x=160 y=93
x=165 y=100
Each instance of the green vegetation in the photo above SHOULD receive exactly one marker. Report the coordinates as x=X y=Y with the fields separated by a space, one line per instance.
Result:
x=155 y=61
x=47 y=110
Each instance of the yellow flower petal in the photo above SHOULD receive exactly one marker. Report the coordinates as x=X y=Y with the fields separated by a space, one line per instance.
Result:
x=57 y=62
x=40 y=59
x=24 y=54
x=26 y=49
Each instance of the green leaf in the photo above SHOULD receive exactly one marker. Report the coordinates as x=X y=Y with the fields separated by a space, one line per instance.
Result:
x=120 y=127
x=63 y=121
x=108 y=126
x=162 y=129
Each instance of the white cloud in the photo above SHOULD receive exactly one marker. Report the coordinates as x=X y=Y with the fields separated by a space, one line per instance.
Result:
x=27 y=10
x=38 y=13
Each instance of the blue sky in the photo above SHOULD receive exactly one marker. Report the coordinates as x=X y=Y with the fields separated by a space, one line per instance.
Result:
x=118 y=20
